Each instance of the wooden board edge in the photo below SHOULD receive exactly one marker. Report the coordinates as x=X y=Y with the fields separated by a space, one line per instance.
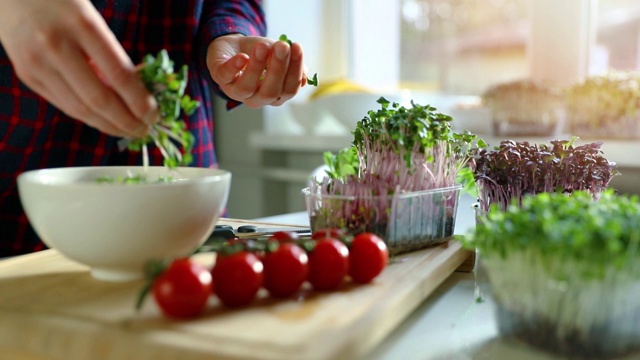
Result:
x=364 y=336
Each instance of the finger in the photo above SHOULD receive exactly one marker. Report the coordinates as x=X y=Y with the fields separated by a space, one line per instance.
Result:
x=305 y=71
x=100 y=99
x=101 y=46
x=227 y=71
x=248 y=82
x=57 y=91
x=294 y=75
x=271 y=86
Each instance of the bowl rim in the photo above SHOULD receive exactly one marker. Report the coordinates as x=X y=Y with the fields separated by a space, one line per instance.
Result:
x=32 y=176
x=307 y=193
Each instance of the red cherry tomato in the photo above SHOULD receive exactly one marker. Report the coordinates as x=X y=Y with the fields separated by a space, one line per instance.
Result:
x=285 y=270
x=237 y=278
x=285 y=236
x=328 y=233
x=328 y=264
x=182 y=290
x=368 y=256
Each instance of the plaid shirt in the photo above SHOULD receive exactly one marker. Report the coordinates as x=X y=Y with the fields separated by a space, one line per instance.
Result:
x=35 y=135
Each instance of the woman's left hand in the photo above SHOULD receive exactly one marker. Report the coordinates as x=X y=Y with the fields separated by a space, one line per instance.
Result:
x=256 y=71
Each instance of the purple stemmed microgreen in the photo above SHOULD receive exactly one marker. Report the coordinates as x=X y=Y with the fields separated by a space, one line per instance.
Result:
x=513 y=169
x=396 y=150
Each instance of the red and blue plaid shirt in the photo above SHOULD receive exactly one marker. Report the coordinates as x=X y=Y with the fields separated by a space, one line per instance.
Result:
x=35 y=135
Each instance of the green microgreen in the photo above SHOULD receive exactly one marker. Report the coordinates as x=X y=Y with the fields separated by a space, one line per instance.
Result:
x=604 y=98
x=168 y=88
x=384 y=179
x=314 y=79
x=395 y=140
x=555 y=228
x=284 y=38
x=133 y=179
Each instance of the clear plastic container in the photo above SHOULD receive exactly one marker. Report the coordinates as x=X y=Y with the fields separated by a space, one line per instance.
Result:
x=623 y=127
x=406 y=221
x=548 y=304
x=533 y=121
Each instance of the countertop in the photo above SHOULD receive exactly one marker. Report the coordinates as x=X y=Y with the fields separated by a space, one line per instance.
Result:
x=456 y=322
x=614 y=150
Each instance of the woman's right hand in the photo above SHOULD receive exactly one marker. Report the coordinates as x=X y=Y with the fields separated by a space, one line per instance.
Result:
x=64 y=51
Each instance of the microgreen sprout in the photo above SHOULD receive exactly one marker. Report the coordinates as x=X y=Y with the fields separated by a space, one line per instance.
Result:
x=525 y=107
x=564 y=271
x=405 y=163
x=133 y=179
x=168 y=88
x=605 y=105
x=410 y=148
x=314 y=79
x=513 y=169
x=600 y=234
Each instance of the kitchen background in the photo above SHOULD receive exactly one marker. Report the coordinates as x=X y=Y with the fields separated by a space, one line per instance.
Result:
x=441 y=52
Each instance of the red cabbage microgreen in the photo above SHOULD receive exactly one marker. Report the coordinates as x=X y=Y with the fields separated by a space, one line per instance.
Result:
x=513 y=169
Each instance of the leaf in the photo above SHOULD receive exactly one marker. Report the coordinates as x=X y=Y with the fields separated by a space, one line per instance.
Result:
x=284 y=38
x=313 y=81
x=168 y=88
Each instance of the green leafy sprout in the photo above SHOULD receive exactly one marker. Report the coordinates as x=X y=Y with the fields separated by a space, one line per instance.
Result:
x=417 y=136
x=555 y=229
x=603 y=99
x=168 y=88
x=133 y=179
x=314 y=79
x=399 y=178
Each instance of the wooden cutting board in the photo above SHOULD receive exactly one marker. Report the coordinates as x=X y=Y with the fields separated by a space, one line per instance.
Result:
x=51 y=308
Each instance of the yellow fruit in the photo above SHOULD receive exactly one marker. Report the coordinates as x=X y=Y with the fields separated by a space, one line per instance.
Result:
x=339 y=86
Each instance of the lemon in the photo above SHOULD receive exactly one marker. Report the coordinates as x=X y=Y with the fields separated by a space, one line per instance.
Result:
x=339 y=86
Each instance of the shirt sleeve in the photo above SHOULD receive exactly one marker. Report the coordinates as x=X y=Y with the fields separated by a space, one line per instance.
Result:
x=226 y=17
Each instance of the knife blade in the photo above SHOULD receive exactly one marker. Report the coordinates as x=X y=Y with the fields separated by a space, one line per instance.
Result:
x=252 y=231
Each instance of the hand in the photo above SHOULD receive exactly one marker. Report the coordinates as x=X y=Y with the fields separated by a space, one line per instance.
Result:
x=255 y=70
x=62 y=49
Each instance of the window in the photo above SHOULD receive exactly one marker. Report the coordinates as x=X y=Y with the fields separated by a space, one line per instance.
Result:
x=463 y=46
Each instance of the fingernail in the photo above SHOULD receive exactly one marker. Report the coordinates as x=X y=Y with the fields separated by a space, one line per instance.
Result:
x=240 y=62
x=281 y=51
x=261 y=52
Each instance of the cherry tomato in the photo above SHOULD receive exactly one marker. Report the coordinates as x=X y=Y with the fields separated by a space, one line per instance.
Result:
x=285 y=270
x=328 y=264
x=285 y=236
x=368 y=256
x=182 y=290
x=328 y=233
x=237 y=278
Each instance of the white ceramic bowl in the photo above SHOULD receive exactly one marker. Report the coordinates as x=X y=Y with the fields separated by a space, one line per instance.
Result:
x=116 y=228
x=315 y=119
x=349 y=108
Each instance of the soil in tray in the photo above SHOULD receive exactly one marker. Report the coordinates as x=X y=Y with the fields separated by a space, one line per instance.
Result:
x=575 y=344
x=404 y=243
